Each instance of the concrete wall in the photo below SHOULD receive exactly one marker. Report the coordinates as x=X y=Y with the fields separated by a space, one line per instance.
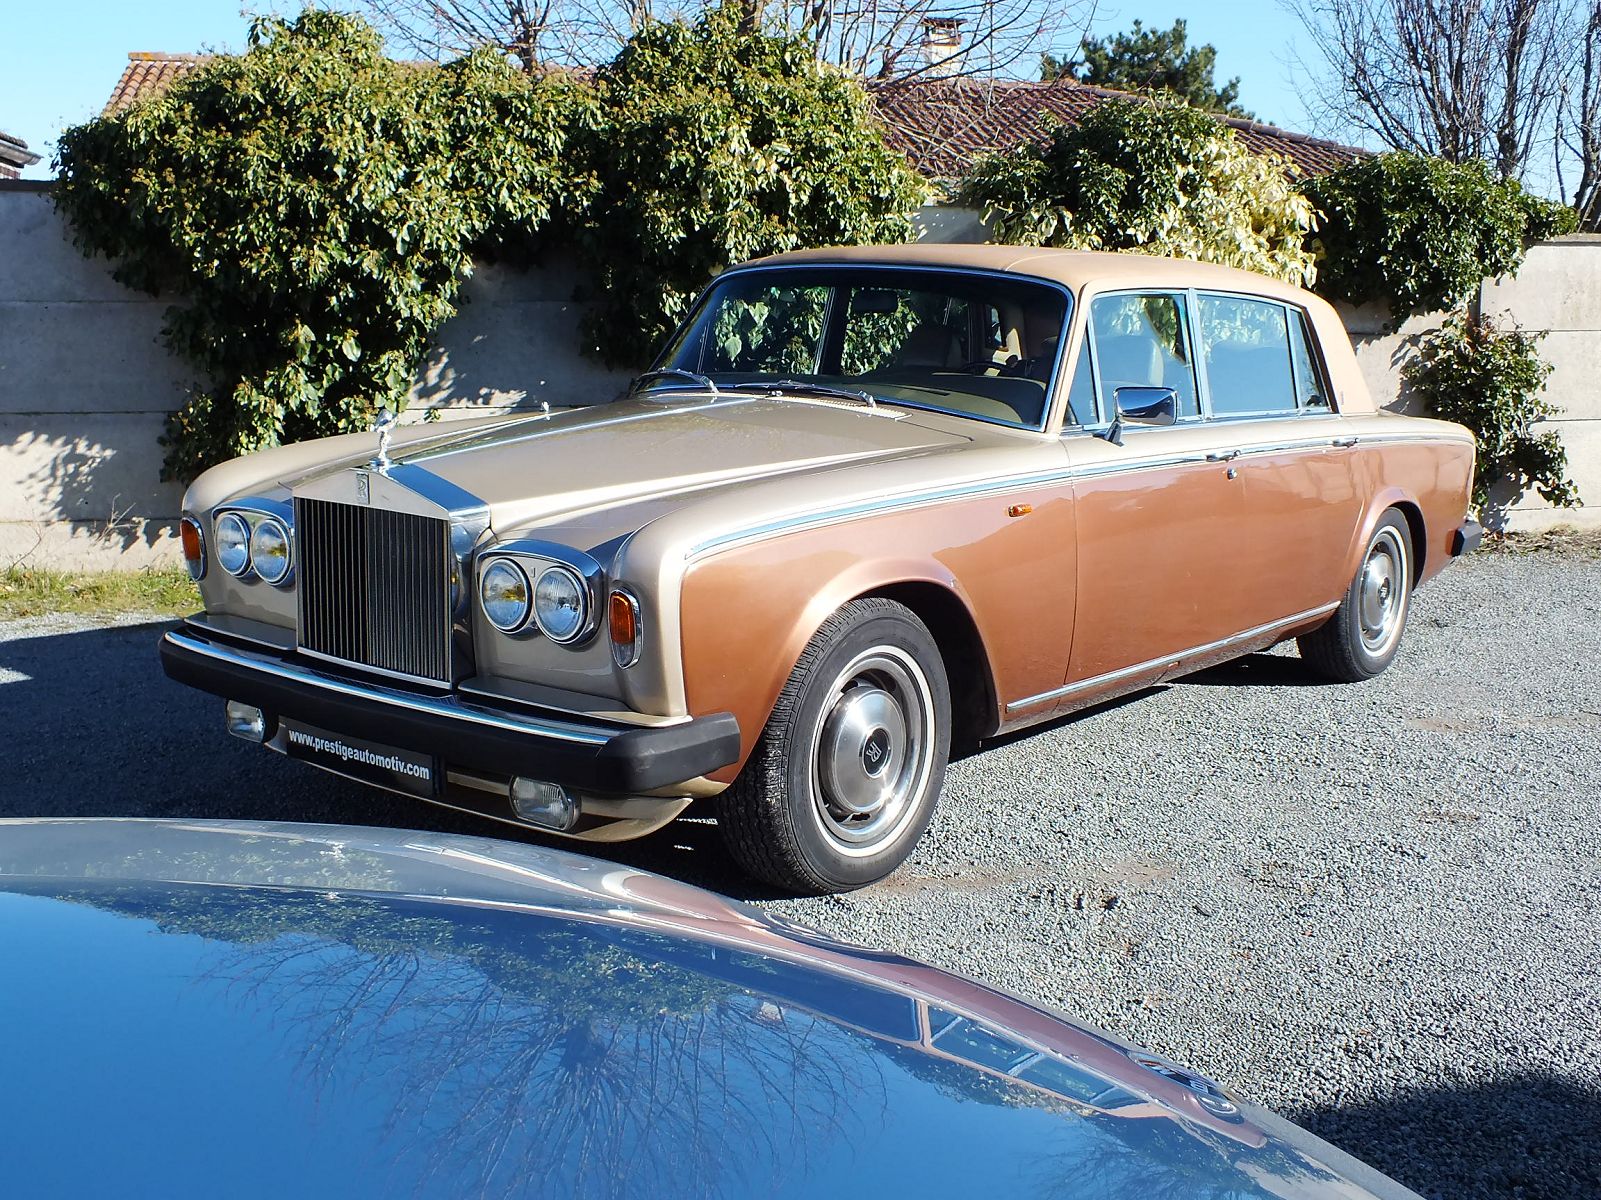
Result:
x=1557 y=292
x=85 y=383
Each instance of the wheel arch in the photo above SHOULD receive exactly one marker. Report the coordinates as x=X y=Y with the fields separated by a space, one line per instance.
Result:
x=1417 y=530
x=768 y=650
x=962 y=650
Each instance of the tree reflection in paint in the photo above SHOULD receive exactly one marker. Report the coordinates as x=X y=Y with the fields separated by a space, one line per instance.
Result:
x=528 y=1051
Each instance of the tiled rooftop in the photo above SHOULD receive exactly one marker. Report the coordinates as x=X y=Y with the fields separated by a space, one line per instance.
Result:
x=942 y=126
x=14 y=156
x=148 y=73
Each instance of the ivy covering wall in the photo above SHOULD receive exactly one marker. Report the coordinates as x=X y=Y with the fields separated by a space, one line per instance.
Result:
x=312 y=207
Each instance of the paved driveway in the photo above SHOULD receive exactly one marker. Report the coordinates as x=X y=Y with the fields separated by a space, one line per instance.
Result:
x=1375 y=908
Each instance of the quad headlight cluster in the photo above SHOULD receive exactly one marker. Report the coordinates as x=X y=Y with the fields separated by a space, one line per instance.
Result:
x=522 y=593
x=251 y=542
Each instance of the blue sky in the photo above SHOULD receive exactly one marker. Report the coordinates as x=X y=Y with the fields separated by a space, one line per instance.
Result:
x=64 y=57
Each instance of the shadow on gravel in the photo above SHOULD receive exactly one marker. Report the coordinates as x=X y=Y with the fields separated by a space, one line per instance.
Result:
x=1534 y=1137
x=91 y=727
x=1258 y=670
x=1062 y=722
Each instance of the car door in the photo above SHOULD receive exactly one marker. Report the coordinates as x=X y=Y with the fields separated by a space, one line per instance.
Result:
x=1160 y=516
x=1263 y=384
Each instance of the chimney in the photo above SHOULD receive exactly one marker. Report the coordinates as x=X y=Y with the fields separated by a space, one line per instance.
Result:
x=942 y=46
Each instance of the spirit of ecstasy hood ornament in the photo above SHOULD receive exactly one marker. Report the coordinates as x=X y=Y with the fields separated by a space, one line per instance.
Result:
x=384 y=427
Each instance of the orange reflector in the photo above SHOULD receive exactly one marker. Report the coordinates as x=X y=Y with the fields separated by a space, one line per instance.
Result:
x=1019 y=510
x=194 y=551
x=624 y=623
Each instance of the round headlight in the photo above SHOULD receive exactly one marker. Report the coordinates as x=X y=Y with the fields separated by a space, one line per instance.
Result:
x=233 y=543
x=561 y=604
x=503 y=591
x=270 y=556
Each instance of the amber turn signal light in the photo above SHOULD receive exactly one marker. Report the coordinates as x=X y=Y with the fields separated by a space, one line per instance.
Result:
x=194 y=547
x=622 y=612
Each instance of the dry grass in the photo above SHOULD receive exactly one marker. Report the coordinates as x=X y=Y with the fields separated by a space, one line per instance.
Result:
x=30 y=592
x=1563 y=540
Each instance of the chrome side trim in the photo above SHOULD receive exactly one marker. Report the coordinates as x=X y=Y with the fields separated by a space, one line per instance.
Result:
x=876 y=505
x=1169 y=660
x=443 y=706
x=1098 y=470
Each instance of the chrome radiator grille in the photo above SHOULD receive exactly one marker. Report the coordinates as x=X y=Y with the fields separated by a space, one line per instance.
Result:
x=374 y=587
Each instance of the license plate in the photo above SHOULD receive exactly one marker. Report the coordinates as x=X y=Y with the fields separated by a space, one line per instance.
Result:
x=371 y=762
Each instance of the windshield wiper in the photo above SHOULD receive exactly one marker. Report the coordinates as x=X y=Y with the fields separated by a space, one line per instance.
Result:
x=702 y=381
x=778 y=387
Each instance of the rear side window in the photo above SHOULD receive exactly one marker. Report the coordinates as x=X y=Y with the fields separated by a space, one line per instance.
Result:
x=1247 y=356
x=1144 y=341
x=1309 y=386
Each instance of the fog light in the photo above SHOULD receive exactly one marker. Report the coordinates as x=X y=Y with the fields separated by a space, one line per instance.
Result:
x=547 y=804
x=246 y=721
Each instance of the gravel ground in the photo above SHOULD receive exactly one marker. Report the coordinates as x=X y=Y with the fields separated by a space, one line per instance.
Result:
x=1374 y=908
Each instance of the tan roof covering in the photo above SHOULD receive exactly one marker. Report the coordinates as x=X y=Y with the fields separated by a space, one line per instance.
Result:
x=1072 y=268
x=940 y=125
x=943 y=125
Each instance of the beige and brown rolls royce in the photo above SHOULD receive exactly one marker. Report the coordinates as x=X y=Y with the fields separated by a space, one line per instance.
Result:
x=871 y=503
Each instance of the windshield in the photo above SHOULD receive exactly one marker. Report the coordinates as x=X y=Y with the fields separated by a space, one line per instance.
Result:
x=984 y=346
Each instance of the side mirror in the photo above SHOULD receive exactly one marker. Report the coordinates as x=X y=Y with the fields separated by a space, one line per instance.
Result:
x=1147 y=405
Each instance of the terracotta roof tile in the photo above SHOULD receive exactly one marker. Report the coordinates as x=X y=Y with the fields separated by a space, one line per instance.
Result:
x=14 y=156
x=148 y=74
x=942 y=126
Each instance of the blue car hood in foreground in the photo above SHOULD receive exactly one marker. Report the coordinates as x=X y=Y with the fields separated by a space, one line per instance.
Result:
x=263 y=1010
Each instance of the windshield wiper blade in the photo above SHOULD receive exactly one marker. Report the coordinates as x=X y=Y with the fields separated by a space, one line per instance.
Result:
x=701 y=381
x=778 y=387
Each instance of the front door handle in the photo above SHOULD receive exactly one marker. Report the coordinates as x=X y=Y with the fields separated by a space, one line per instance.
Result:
x=1344 y=443
x=1222 y=455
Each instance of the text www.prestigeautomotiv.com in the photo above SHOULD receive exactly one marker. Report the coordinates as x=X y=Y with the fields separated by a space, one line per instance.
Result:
x=344 y=753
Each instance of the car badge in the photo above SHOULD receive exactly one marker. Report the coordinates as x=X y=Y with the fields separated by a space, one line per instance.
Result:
x=384 y=427
x=363 y=487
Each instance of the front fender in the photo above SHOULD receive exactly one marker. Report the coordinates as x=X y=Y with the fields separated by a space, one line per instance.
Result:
x=747 y=613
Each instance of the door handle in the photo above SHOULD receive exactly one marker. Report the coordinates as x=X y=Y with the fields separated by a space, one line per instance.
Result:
x=1222 y=455
x=1344 y=443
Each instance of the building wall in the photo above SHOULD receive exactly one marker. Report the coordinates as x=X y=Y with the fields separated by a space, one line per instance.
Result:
x=85 y=384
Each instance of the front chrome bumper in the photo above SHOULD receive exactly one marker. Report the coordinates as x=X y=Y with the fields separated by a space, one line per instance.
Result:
x=581 y=753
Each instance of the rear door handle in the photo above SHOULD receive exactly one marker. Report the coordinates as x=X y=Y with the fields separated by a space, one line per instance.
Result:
x=1222 y=455
x=1344 y=443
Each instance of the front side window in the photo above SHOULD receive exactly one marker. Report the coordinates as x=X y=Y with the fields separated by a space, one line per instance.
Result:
x=1248 y=367
x=974 y=344
x=1143 y=340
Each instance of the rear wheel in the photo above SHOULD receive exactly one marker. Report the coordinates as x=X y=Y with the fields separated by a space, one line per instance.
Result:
x=843 y=780
x=1363 y=635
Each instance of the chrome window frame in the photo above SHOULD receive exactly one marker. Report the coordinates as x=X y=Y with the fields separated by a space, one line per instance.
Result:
x=1300 y=411
x=1202 y=397
x=1053 y=385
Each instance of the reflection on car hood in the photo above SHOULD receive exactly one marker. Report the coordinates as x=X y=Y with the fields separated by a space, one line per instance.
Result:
x=533 y=468
x=315 y=1010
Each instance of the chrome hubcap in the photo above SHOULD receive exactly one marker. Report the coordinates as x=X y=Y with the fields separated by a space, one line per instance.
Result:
x=873 y=750
x=1381 y=592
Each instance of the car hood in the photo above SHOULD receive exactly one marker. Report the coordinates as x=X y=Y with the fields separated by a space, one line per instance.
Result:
x=316 y=1010
x=536 y=468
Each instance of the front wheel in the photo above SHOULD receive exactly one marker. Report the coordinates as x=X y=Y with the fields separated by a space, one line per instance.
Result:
x=1362 y=636
x=843 y=780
